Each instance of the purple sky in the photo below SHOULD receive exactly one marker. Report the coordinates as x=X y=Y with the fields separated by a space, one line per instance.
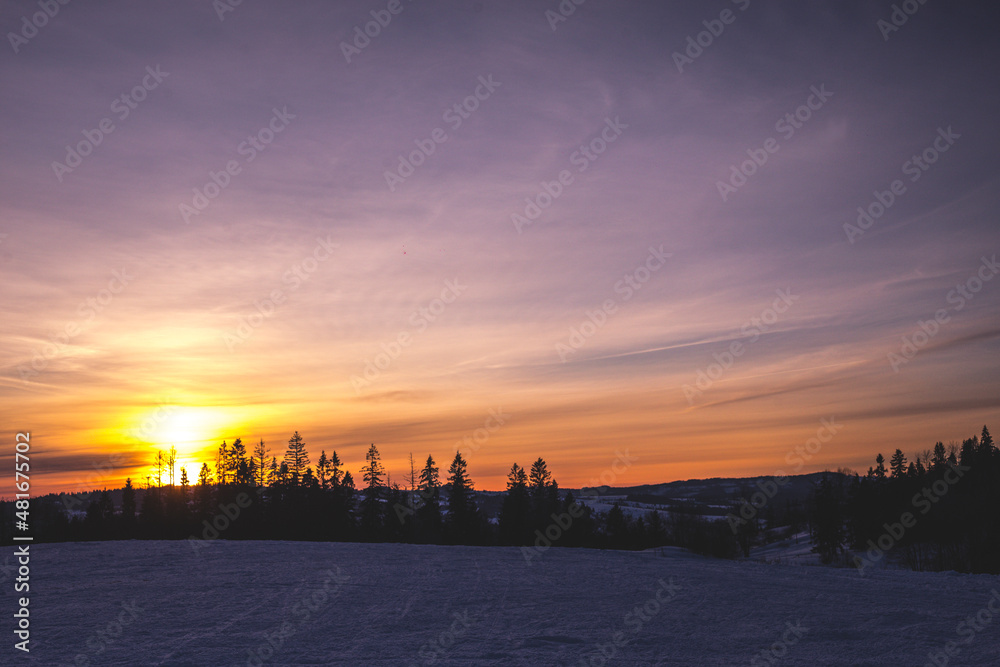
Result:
x=168 y=332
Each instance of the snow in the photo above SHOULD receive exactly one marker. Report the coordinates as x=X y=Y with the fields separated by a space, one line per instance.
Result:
x=392 y=604
x=793 y=550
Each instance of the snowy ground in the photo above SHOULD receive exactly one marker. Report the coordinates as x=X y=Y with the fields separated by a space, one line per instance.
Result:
x=129 y=603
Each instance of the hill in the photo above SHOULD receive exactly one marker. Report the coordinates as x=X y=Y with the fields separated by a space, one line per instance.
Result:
x=234 y=603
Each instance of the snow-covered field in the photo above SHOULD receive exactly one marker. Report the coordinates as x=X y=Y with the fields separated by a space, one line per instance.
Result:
x=130 y=603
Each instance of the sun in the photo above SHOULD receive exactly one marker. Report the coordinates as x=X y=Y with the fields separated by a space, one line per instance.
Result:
x=192 y=430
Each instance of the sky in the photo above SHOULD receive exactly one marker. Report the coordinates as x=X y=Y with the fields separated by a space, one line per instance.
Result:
x=625 y=238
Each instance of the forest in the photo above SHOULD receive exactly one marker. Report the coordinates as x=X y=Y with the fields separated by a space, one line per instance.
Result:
x=938 y=511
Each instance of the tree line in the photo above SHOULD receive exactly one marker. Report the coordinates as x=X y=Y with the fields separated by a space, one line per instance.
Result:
x=262 y=497
x=939 y=510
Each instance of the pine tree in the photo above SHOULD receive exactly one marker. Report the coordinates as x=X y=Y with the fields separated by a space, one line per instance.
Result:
x=986 y=449
x=897 y=464
x=239 y=465
x=429 y=509
x=222 y=464
x=296 y=457
x=539 y=478
x=462 y=510
x=273 y=476
x=544 y=494
x=880 y=467
x=260 y=455
x=323 y=470
x=515 y=527
x=336 y=474
x=371 y=503
x=939 y=459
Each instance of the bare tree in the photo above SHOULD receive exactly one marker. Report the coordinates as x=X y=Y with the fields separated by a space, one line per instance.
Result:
x=159 y=467
x=172 y=463
x=413 y=481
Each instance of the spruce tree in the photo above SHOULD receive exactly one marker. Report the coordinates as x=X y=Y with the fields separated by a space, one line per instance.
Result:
x=222 y=464
x=986 y=449
x=940 y=459
x=539 y=478
x=371 y=503
x=296 y=457
x=515 y=527
x=336 y=474
x=260 y=454
x=462 y=510
x=429 y=505
x=897 y=464
x=323 y=470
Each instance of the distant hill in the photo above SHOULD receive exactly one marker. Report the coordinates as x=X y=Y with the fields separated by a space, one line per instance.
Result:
x=710 y=497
